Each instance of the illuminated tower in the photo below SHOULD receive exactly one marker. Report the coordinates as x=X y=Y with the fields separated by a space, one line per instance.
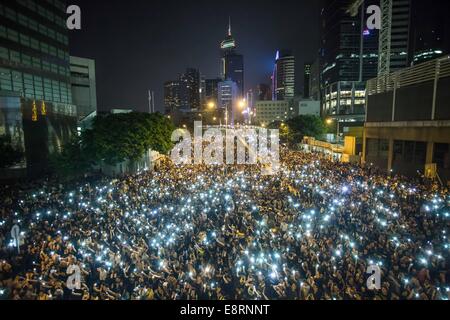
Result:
x=232 y=63
x=284 y=76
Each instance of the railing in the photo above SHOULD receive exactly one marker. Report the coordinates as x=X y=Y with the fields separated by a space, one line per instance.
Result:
x=424 y=72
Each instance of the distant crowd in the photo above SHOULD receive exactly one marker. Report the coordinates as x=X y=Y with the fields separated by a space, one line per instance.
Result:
x=307 y=232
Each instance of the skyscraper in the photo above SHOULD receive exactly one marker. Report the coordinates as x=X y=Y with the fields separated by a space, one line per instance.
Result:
x=191 y=80
x=36 y=110
x=175 y=96
x=306 y=79
x=314 y=81
x=284 y=76
x=430 y=30
x=228 y=96
x=412 y=31
x=211 y=90
x=232 y=63
x=350 y=57
x=394 y=35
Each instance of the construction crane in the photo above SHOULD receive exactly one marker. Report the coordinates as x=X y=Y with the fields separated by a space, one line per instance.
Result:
x=353 y=9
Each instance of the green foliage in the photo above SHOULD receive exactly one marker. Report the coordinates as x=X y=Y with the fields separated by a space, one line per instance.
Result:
x=115 y=138
x=119 y=137
x=293 y=130
x=10 y=155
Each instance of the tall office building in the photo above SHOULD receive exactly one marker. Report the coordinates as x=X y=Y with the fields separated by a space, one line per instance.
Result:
x=350 y=57
x=284 y=76
x=314 y=81
x=232 y=63
x=228 y=95
x=211 y=90
x=412 y=32
x=191 y=80
x=83 y=86
x=430 y=30
x=36 y=109
x=175 y=96
x=394 y=35
x=306 y=79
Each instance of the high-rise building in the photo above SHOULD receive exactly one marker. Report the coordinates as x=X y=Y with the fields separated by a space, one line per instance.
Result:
x=232 y=63
x=211 y=90
x=175 y=96
x=202 y=90
x=228 y=95
x=350 y=57
x=284 y=76
x=342 y=35
x=314 y=81
x=36 y=110
x=430 y=30
x=412 y=32
x=191 y=79
x=307 y=79
x=83 y=86
x=264 y=92
x=394 y=35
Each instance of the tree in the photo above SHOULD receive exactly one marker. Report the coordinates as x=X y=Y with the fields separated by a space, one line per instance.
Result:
x=115 y=138
x=283 y=128
x=293 y=130
x=118 y=137
x=10 y=155
x=73 y=160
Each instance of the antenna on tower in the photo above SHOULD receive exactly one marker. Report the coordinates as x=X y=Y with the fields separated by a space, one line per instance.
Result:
x=229 y=26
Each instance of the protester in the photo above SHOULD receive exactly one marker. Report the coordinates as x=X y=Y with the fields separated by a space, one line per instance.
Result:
x=195 y=232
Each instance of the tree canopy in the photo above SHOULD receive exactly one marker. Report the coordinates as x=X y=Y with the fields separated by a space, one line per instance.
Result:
x=115 y=138
x=293 y=130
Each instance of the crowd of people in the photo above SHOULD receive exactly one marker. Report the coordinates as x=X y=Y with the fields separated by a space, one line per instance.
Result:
x=308 y=232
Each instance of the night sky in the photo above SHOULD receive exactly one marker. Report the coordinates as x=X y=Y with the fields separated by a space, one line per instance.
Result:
x=140 y=44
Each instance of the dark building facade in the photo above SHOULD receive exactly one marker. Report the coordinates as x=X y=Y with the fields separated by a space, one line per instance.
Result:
x=36 y=109
x=430 y=30
x=408 y=120
x=314 y=81
x=350 y=58
x=175 y=96
x=307 y=80
x=211 y=90
x=412 y=32
x=191 y=80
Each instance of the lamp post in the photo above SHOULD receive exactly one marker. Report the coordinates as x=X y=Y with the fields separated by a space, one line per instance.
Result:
x=330 y=121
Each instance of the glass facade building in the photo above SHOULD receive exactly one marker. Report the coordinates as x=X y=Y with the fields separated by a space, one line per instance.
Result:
x=284 y=76
x=36 y=108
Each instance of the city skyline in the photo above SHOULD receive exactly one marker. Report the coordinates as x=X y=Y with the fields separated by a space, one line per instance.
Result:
x=128 y=65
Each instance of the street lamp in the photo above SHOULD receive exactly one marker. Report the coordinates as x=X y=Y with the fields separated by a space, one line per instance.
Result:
x=211 y=105
x=330 y=121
